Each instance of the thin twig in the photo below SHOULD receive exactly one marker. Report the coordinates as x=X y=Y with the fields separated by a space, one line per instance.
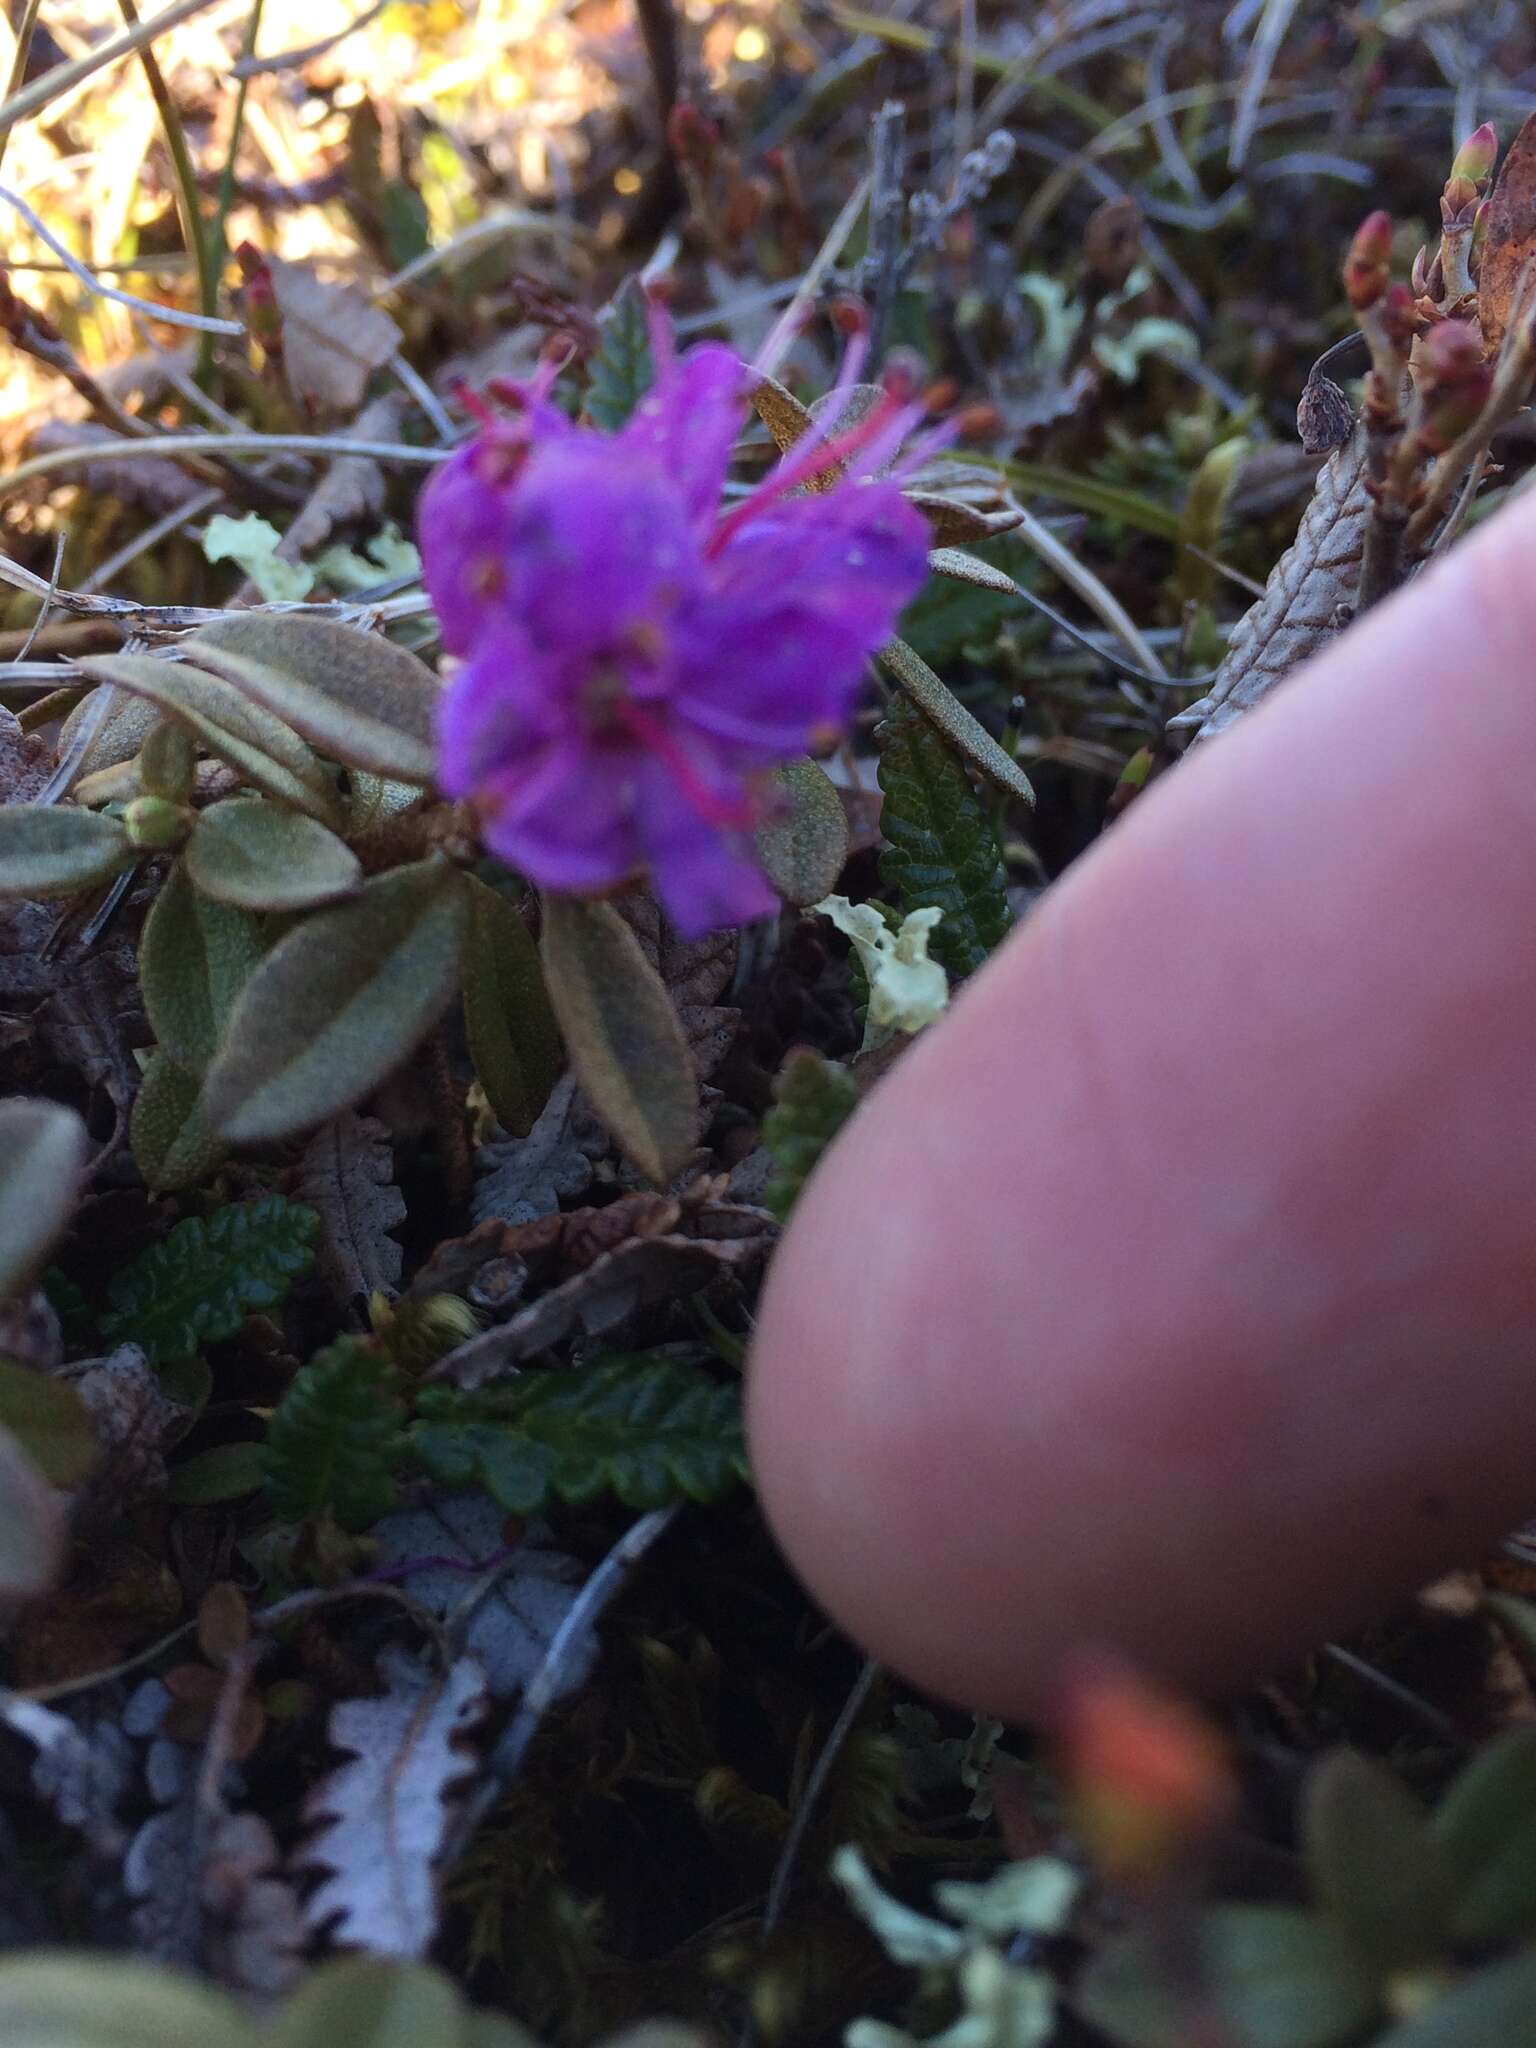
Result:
x=18 y=106
x=810 y=1798
x=171 y=315
x=218 y=229
x=789 y=322
x=216 y=445
x=185 y=176
x=250 y=66
x=887 y=217
x=1267 y=39
x=24 y=33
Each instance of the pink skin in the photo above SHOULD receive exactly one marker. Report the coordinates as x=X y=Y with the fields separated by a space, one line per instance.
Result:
x=1178 y=1291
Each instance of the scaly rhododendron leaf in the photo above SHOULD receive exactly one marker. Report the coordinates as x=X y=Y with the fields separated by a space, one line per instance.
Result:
x=258 y=856
x=195 y=956
x=943 y=709
x=803 y=839
x=55 y=849
x=514 y=1040
x=43 y=1149
x=173 y=1144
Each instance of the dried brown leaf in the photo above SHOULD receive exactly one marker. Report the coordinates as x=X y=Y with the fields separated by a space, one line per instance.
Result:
x=1301 y=606
x=1511 y=242
x=347 y=1174
x=334 y=337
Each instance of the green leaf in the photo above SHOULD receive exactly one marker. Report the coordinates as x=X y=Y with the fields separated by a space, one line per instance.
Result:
x=201 y=1282
x=50 y=1421
x=942 y=851
x=54 y=849
x=514 y=1040
x=803 y=841
x=813 y=1099
x=1485 y=1827
x=1201 y=521
x=31 y=1544
x=1374 y=1867
x=951 y=614
x=1090 y=494
x=334 y=1439
x=622 y=370
x=356 y=696
x=650 y=1429
x=943 y=709
x=1492 y=2009
x=227 y=1472
x=43 y=1149
x=261 y=749
x=173 y=1144
x=257 y=856
x=374 y=2002
x=195 y=956
x=72 y=1999
x=1280 y=1978
x=338 y=1003
x=252 y=544
x=622 y=1032
x=168 y=762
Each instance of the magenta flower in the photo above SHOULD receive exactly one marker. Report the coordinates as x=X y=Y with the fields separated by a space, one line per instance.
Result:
x=635 y=657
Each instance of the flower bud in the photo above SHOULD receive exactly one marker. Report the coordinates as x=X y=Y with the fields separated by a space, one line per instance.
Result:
x=1148 y=1778
x=1368 y=266
x=1476 y=157
x=1399 y=316
x=1450 y=353
x=691 y=136
x=155 y=824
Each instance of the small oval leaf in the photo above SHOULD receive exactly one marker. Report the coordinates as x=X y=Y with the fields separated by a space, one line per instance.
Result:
x=31 y=1550
x=514 y=1040
x=260 y=748
x=338 y=1003
x=356 y=696
x=195 y=956
x=260 y=857
x=54 y=849
x=43 y=1149
x=168 y=761
x=941 y=707
x=50 y=1421
x=803 y=841
x=172 y=1142
x=622 y=1032
x=1486 y=1828
x=58 y=1999
x=227 y=1472
x=1374 y=1866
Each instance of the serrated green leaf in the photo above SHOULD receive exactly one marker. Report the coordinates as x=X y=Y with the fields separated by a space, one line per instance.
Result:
x=257 y=856
x=813 y=1099
x=172 y=1142
x=1485 y=1827
x=43 y=1149
x=76 y=2000
x=54 y=849
x=338 y=1003
x=31 y=1537
x=622 y=1032
x=1496 y=2008
x=621 y=371
x=942 y=852
x=651 y=1430
x=50 y=1421
x=1279 y=1978
x=261 y=749
x=227 y=1472
x=943 y=710
x=334 y=1439
x=201 y=1282
x=514 y=1040
x=1375 y=1870
x=195 y=956
x=803 y=840
x=356 y=696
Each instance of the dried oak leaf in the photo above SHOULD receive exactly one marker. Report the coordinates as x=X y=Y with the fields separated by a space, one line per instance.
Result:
x=334 y=337
x=1511 y=242
x=519 y=1179
x=383 y=1818
x=347 y=1175
x=697 y=973
x=117 y=1599
x=688 y=1243
x=1307 y=591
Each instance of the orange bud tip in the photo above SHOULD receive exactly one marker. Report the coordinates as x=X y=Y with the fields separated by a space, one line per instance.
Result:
x=850 y=316
x=1368 y=266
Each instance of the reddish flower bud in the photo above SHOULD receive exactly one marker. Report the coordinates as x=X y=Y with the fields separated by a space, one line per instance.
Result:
x=1368 y=266
x=691 y=136
x=1450 y=354
x=1476 y=157
x=1148 y=1777
x=1400 y=317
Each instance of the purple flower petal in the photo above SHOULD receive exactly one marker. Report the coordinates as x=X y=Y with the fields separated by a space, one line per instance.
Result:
x=705 y=877
x=462 y=525
x=688 y=423
x=496 y=708
x=566 y=820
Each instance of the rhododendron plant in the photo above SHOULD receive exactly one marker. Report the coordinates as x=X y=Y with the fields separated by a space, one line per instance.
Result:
x=634 y=655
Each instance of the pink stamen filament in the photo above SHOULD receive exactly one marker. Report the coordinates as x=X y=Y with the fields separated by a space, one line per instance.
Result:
x=714 y=810
x=800 y=465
